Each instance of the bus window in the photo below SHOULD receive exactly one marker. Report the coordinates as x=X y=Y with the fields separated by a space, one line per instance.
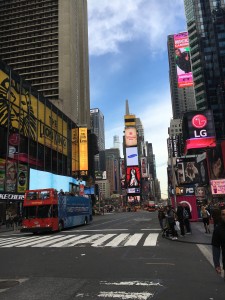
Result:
x=44 y=211
x=44 y=195
x=55 y=211
x=32 y=196
x=29 y=212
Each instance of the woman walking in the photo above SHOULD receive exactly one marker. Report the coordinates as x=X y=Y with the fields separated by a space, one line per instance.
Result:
x=205 y=218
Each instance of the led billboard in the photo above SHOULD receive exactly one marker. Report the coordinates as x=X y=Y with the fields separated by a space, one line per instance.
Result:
x=130 y=136
x=218 y=187
x=132 y=156
x=198 y=130
x=133 y=177
x=144 y=172
x=182 y=58
x=30 y=116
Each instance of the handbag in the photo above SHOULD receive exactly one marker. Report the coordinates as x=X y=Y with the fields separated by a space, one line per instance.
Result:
x=177 y=226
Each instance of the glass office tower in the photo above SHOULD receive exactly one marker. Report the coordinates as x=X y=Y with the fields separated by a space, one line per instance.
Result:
x=206 y=29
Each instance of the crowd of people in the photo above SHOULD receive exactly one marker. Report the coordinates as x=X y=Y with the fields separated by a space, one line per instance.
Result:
x=176 y=222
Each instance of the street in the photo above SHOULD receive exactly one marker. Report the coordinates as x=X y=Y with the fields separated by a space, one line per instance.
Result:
x=117 y=256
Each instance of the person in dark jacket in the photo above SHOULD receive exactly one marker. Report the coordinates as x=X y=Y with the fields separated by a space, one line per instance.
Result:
x=180 y=218
x=183 y=60
x=215 y=213
x=187 y=216
x=218 y=243
x=170 y=216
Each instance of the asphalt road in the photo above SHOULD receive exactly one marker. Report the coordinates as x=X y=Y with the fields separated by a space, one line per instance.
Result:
x=118 y=256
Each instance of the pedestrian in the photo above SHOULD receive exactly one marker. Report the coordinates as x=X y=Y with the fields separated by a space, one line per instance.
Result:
x=187 y=216
x=205 y=218
x=161 y=217
x=7 y=220
x=170 y=216
x=215 y=215
x=180 y=218
x=218 y=243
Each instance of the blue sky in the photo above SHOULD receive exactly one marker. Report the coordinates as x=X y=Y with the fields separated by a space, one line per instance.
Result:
x=128 y=60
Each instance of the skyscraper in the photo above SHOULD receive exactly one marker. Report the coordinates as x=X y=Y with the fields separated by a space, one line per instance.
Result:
x=98 y=128
x=182 y=98
x=46 y=42
x=206 y=28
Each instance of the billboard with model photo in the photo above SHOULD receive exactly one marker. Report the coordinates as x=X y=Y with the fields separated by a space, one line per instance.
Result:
x=133 y=177
x=182 y=58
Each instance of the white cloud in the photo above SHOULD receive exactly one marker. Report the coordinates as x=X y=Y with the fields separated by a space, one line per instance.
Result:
x=114 y=22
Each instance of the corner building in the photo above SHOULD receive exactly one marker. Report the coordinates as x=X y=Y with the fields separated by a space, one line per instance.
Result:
x=206 y=29
x=46 y=42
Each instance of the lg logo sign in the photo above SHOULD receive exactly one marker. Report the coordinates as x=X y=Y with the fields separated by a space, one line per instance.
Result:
x=199 y=122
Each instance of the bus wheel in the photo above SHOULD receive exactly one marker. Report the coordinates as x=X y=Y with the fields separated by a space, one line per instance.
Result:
x=60 y=226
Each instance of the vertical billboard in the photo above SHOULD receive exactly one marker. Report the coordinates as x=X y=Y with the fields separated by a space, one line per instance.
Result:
x=133 y=177
x=144 y=172
x=83 y=149
x=182 y=58
x=216 y=162
x=122 y=174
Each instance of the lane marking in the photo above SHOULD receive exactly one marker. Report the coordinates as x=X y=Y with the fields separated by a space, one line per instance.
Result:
x=100 y=241
x=117 y=240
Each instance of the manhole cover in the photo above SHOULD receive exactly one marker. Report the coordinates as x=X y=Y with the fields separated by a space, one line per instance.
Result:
x=8 y=284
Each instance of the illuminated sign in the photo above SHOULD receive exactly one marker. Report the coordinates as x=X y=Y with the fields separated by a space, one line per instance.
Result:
x=30 y=116
x=132 y=156
x=199 y=130
x=144 y=172
x=130 y=136
x=182 y=58
x=83 y=149
x=217 y=187
x=133 y=177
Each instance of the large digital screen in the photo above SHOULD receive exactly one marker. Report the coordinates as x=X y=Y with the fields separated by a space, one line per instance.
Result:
x=30 y=116
x=132 y=156
x=130 y=136
x=183 y=61
x=133 y=177
x=198 y=130
x=44 y=180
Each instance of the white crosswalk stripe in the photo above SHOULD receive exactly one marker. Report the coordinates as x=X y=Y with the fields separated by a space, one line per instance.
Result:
x=80 y=240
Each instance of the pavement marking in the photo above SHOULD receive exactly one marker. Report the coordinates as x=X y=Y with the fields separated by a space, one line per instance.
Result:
x=94 y=240
x=69 y=241
x=117 y=240
x=126 y=295
x=151 y=239
x=100 y=241
x=152 y=229
x=134 y=239
x=96 y=230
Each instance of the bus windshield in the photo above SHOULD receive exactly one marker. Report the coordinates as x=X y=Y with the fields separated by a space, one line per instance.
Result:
x=43 y=211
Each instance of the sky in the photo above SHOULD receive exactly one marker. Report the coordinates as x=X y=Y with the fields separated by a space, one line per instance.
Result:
x=128 y=60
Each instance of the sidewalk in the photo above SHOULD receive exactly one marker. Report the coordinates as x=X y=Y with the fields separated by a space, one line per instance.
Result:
x=9 y=229
x=198 y=235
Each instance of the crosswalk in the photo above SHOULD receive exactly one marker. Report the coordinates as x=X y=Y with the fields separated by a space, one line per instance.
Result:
x=80 y=240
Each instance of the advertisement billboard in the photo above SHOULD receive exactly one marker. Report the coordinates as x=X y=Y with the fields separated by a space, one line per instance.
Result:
x=133 y=177
x=130 y=136
x=182 y=58
x=83 y=149
x=132 y=156
x=187 y=171
x=30 y=116
x=134 y=199
x=216 y=162
x=144 y=172
x=199 y=130
x=217 y=187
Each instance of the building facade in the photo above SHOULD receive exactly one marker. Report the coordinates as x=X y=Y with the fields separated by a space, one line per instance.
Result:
x=46 y=42
x=206 y=28
x=98 y=128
